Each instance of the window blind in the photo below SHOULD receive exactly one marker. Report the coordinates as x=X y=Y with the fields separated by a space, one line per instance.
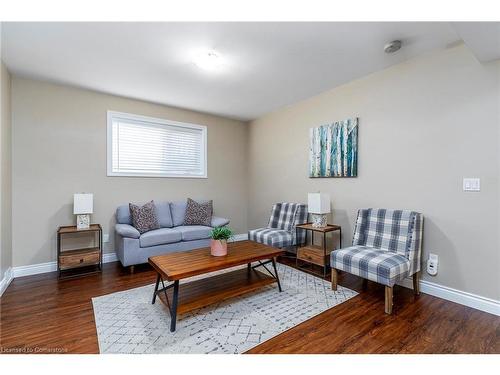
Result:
x=141 y=147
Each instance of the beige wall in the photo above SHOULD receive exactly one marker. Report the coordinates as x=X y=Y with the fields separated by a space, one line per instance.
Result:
x=5 y=178
x=59 y=148
x=424 y=125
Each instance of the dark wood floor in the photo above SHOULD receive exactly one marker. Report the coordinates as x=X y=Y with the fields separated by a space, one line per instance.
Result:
x=43 y=314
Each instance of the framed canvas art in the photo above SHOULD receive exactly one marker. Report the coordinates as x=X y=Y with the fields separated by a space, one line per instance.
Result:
x=333 y=149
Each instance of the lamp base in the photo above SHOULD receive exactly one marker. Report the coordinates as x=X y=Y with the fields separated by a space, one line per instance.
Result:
x=318 y=220
x=82 y=221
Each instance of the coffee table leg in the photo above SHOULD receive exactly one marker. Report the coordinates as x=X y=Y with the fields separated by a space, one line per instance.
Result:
x=276 y=273
x=156 y=288
x=174 y=306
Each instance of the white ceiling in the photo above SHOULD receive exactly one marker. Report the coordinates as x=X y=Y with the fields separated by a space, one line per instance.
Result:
x=483 y=38
x=267 y=65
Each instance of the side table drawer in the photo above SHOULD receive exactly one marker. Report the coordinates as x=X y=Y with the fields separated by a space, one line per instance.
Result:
x=78 y=258
x=312 y=254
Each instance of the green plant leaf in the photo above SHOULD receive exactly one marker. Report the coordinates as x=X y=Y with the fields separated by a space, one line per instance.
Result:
x=221 y=233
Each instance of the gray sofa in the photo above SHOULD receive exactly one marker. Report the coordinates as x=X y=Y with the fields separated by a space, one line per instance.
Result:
x=133 y=248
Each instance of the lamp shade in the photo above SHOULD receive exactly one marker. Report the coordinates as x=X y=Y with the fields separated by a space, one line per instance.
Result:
x=83 y=204
x=318 y=203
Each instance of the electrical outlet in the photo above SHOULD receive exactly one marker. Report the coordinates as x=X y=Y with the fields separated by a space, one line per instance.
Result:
x=105 y=238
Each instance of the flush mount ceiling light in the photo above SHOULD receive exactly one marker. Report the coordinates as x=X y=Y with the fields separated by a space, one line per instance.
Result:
x=208 y=60
x=393 y=46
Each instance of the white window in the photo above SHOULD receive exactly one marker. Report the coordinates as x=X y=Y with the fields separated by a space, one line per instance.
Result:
x=151 y=147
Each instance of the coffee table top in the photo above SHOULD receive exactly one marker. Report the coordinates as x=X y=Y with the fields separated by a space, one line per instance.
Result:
x=180 y=265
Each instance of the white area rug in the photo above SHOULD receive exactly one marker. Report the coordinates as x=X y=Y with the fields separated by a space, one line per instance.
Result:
x=127 y=322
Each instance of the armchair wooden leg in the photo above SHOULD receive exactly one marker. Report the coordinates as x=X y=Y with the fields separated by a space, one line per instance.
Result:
x=131 y=269
x=416 y=283
x=334 y=279
x=388 y=300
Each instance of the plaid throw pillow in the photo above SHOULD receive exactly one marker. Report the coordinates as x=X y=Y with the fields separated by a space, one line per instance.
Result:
x=198 y=213
x=144 y=218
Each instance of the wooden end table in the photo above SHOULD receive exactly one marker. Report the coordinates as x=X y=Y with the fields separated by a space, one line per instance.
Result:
x=82 y=258
x=312 y=254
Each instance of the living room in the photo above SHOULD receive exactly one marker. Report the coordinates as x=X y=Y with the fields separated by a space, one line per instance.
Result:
x=250 y=187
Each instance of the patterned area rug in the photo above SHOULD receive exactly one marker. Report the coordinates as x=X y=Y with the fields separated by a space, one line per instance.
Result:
x=127 y=322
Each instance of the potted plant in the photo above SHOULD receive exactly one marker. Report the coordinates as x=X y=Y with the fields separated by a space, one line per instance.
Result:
x=218 y=243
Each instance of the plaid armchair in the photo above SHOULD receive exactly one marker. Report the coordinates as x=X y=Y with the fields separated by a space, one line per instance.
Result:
x=386 y=248
x=280 y=230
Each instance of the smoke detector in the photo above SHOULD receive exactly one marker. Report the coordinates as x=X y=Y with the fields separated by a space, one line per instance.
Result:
x=393 y=46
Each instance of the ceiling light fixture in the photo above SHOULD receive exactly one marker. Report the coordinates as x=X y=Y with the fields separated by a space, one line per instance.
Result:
x=393 y=46
x=208 y=60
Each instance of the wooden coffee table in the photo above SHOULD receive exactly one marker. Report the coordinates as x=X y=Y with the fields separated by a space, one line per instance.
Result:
x=199 y=293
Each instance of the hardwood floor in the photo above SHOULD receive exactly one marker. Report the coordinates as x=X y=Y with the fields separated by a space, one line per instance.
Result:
x=43 y=314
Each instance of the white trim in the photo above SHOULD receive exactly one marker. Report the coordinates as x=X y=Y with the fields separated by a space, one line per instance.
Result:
x=7 y=278
x=475 y=301
x=34 y=269
x=109 y=257
x=152 y=120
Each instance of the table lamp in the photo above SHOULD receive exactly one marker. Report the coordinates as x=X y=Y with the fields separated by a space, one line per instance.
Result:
x=83 y=206
x=318 y=206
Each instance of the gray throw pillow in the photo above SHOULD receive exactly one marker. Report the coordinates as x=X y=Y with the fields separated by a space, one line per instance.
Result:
x=144 y=218
x=198 y=213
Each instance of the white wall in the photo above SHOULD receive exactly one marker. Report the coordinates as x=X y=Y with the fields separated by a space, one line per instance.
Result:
x=5 y=178
x=424 y=125
x=59 y=148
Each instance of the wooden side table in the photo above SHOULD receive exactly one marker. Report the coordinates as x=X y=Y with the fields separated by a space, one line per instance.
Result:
x=312 y=254
x=88 y=258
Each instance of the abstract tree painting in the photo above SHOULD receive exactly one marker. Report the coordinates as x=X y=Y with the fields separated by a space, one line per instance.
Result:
x=334 y=149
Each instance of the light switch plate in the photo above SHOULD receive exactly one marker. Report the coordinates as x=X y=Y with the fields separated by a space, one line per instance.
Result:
x=105 y=238
x=472 y=184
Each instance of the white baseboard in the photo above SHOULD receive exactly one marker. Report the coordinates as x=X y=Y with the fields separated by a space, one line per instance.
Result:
x=35 y=269
x=109 y=257
x=7 y=278
x=240 y=237
x=454 y=295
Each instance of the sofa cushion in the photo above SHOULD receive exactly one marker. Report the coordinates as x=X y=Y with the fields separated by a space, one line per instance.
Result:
x=178 y=210
x=162 y=211
x=127 y=230
x=219 y=221
x=160 y=237
x=144 y=217
x=194 y=232
x=198 y=213
x=164 y=214
x=123 y=215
